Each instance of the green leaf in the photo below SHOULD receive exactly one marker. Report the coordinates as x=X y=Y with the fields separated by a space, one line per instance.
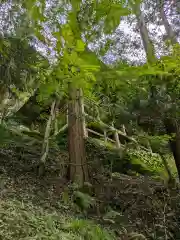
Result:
x=67 y=34
x=40 y=36
x=80 y=46
x=89 y=61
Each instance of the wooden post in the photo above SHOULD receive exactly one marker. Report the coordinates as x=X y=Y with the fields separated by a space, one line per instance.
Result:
x=105 y=136
x=116 y=137
x=45 y=146
x=117 y=141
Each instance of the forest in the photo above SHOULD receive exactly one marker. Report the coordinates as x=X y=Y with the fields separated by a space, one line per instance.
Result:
x=89 y=119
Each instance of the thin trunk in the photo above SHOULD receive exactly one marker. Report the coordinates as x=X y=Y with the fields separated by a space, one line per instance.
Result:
x=173 y=130
x=170 y=33
x=116 y=137
x=78 y=170
x=56 y=127
x=167 y=168
x=117 y=142
x=172 y=127
x=150 y=54
x=67 y=115
x=45 y=147
x=124 y=129
x=147 y=43
x=105 y=136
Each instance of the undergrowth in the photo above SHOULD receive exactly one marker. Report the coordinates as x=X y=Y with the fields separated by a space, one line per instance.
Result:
x=33 y=208
x=26 y=222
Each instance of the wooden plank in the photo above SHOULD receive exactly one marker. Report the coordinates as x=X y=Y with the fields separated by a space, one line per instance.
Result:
x=106 y=126
x=99 y=134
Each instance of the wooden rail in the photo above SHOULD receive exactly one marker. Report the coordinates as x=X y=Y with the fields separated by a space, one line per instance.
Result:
x=105 y=127
x=99 y=134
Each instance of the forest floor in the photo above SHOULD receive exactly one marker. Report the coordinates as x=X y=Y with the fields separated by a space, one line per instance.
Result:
x=118 y=207
x=30 y=208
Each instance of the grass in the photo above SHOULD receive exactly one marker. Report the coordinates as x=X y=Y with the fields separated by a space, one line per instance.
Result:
x=27 y=222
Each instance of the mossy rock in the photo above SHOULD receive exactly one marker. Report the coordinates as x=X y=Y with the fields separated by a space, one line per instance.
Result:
x=137 y=161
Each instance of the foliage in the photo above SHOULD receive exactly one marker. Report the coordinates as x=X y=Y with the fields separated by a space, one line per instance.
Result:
x=24 y=221
x=48 y=48
x=20 y=63
x=134 y=161
x=151 y=161
x=83 y=200
x=36 y=204
x=89 y=231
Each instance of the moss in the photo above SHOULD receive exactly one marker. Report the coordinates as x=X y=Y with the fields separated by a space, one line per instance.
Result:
x=137 y=161
x=106 y=155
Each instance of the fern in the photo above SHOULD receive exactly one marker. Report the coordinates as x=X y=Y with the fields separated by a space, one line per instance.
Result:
x=83 y=200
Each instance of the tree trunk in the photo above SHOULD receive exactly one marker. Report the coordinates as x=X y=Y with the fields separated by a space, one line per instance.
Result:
x=150 y=54
x=170 y=33
x=173 y=130
x=105 y=136
x=117 y=142
x=147 y=43
x=170 y=124
x=116 y=138
x=81 y=99
x=124 y=129
x=78 y=170
x=165 y=163
x=45 y=146
x=172 y=127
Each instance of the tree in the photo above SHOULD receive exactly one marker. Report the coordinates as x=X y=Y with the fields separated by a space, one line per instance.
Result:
x=169 y=30
x=171 y=124
x=76 y=64
x=78 y=170
x=20 y=73
x=147 y=43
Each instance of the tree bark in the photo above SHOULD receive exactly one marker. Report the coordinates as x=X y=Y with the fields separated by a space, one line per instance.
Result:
x=81 y=99
x=147 y=43
x=124 y=129
x=105 y=136
x=150 y=54
x=117 y=142
x=170 y=33
x=116 y=138
x=45 y=146
x=171 y=125
x=167 y=168
x=173 y=130
x=78 y=170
